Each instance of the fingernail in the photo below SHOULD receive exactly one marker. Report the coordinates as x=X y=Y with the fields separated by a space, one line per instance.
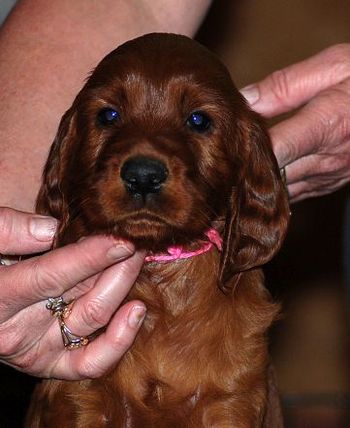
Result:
x=120 y=251
x=251 y=94
x=43 y=228
x=136 y=316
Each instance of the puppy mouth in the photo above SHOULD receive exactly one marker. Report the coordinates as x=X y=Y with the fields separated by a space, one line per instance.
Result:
x=146 y=230
x=144 y=217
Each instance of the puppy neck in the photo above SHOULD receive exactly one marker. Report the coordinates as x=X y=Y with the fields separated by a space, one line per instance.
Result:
x=178 y=252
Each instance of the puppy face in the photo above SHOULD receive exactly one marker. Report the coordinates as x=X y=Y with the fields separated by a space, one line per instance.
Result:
x=157 y=146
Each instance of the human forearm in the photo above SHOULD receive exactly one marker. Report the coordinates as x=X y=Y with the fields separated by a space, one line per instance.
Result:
x=46 y=51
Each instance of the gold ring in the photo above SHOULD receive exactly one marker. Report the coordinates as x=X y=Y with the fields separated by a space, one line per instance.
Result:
x=61 y=310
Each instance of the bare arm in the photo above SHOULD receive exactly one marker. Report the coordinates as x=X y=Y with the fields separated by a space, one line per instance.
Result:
x=46 y=51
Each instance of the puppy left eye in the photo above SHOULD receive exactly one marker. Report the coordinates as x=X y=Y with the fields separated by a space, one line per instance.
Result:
x=198 y=121
x=107 y=116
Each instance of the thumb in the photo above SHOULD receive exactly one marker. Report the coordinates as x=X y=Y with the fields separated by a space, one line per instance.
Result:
x=24 y=233
x=291 y=87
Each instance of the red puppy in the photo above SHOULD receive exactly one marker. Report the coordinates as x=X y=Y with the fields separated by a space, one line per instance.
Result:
x=160 y=148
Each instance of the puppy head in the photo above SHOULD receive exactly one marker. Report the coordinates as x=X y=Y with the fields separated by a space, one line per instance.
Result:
x=157 y=147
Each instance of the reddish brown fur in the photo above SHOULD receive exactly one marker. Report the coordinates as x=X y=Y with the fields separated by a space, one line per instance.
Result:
x=200 y=359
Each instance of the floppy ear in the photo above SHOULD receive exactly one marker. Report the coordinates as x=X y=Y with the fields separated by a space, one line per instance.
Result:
x=51 y=199
x=258 y=211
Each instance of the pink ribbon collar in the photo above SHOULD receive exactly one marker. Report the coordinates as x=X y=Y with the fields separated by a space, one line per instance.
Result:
x=178 y=252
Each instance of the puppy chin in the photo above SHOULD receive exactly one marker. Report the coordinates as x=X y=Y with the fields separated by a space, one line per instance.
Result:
x=151 y=236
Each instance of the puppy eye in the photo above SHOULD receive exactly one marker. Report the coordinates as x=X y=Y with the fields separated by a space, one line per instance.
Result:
x=107 y=116
x=198 y=121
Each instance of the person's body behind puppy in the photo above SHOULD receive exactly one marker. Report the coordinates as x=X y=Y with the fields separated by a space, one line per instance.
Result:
x=159 y=148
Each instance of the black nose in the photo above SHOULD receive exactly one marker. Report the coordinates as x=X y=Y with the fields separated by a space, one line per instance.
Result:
x=143 y=175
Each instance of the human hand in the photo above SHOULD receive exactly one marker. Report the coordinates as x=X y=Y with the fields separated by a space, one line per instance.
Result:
x=314 y=143
x=97 y=272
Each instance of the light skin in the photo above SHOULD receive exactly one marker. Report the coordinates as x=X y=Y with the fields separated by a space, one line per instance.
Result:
x=93 y=274
x=313 y=144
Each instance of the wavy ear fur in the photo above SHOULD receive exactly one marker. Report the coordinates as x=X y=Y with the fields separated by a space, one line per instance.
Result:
x=50 y=200
x=258 y=211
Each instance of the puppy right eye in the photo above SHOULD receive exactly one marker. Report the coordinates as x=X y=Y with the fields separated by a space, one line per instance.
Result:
x=107 y=116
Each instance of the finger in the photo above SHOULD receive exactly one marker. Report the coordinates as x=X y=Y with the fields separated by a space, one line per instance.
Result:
x=293 y=86
x=314 y=187
x=24 y=233
x=321 y=170
x=321 y=128
x=53 y=273
x=302 y=190
x=297 y=136
x=89 y=313
x=105 y=351
x=94 y=310
x=302 y=169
